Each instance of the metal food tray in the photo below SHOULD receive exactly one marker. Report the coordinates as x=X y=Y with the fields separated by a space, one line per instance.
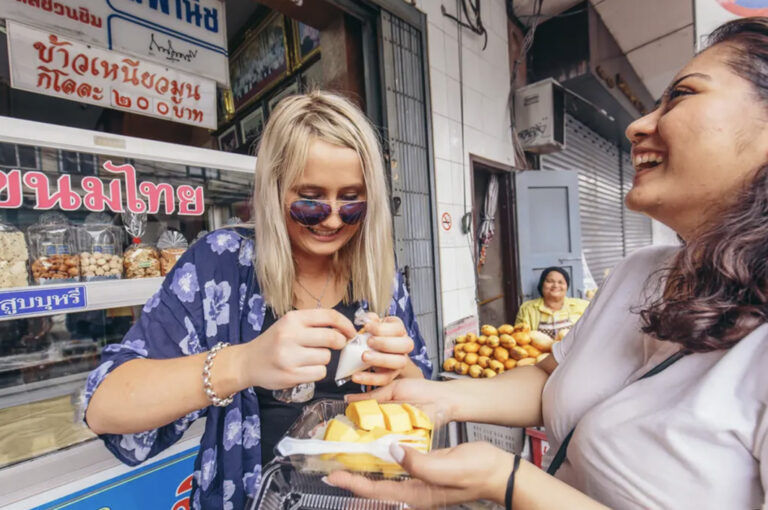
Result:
x=284 y=488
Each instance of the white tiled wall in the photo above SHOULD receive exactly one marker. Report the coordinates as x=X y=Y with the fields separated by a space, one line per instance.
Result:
x=483 y=81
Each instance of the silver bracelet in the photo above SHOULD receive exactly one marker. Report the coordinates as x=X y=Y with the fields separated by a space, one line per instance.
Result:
x=207 y=385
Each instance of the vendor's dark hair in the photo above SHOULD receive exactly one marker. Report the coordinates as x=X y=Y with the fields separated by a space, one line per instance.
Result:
x=546 y=272
x=716 y=289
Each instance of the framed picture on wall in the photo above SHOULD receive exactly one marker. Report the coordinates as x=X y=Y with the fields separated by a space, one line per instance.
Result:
x=260 y=61
x=293 y=88
x=306 y=42
x=228 y=139
x=252 y=124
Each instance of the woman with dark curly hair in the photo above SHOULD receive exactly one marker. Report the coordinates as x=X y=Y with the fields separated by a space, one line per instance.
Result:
x=658 y=397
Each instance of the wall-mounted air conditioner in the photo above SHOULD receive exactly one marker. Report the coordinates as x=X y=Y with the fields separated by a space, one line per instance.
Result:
x=540 y=116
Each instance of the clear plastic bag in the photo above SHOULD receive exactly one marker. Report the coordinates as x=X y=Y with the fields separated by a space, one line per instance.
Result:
x=53 y=250
x=140 y=260
x=101 y=249
x=13 y=257
x=172 y=245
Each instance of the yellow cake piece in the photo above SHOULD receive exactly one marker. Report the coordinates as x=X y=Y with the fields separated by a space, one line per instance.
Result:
x=366 y=414
x=418 y=418
x=340 y=431
x=396 y=418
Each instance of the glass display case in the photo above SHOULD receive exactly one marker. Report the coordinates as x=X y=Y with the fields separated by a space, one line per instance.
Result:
x=65 y=195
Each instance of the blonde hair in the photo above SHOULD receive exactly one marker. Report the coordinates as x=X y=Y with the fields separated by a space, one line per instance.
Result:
x=369 y=255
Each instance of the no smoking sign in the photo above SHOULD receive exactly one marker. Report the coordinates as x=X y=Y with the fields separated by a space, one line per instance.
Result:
x=446 y=221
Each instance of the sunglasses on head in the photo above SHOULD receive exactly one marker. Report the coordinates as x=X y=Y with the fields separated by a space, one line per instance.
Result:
x=310 y=212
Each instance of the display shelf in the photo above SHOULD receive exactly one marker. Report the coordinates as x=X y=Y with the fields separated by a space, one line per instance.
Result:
x=100 y=295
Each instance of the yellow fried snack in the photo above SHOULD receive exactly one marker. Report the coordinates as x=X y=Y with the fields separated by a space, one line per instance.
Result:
x=365 y=414
x=396 y=418
x=488 y=373
x=485 y=351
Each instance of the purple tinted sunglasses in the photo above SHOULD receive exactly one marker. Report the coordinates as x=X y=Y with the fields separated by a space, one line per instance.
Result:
x=311 y=212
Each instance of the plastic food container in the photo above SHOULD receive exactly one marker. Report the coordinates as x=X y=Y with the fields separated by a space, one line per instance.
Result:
x=13 y=257
x=172 y=246
x=311 y=425
x=101 y=249
x=140 y=260
x=284 y=488
x=53 y=250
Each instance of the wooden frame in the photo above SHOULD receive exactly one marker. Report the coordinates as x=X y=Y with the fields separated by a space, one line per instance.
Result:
x=306 y=42
x=291 y=88
x=252 y=124
x=261 y=61
x=507 y=236
x=228 y=140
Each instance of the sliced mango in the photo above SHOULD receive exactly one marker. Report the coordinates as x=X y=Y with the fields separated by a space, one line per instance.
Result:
x=419 y=419
x=366 y=414
x=368 y=463
x=396 y=418
x=340 y=431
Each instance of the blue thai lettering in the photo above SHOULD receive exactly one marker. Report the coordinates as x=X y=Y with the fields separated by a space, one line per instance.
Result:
x=192 y=11
x=211 y=19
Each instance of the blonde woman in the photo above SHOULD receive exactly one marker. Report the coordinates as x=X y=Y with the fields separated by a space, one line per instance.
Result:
x=249 y=311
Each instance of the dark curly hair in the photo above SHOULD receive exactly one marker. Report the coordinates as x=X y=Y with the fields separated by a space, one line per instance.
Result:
x=716 y=288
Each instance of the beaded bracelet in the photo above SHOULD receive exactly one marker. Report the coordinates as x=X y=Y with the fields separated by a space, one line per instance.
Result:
x=207 y=385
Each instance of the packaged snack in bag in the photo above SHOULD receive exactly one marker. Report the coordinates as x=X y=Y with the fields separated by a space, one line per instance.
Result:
x=172 y=245
x=351 y=357
x=101 y=248
x=140 y=260
x=13 y=257
x=53 y=250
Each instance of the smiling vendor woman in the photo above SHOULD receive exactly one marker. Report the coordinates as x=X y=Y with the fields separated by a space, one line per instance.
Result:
x=248 y=311
x=554 y=313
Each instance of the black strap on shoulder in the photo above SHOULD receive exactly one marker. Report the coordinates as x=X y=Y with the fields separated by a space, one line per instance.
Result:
x=562 y=452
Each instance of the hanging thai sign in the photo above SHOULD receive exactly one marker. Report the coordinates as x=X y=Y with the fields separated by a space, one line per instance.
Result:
x=45 y=63
x=710 y=14
x=116 y=195
x=189 y=35
x=17 y=302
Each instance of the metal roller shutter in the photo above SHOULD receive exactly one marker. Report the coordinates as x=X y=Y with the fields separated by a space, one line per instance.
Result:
x=637 y=227
x=600 y=194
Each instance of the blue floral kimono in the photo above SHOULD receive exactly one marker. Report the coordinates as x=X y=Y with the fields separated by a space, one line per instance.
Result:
x=211 y=295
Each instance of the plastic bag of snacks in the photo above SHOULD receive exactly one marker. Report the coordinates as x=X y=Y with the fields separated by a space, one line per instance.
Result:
x=172 y=245
x=53 y=250
x=101 y=249
x=13 y=257
x=139 y=260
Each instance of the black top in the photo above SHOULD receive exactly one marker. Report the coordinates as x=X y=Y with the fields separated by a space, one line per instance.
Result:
x=277 y=416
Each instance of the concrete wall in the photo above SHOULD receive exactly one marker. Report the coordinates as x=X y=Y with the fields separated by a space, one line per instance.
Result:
x=461 y=72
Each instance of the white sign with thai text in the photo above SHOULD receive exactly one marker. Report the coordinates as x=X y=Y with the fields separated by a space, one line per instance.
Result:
x=45 y=63
x=189 y=35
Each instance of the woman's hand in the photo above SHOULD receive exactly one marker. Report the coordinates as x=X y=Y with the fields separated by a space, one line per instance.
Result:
x=295 y=349
x=446 y=396
x=466 y=472
x=392 y=346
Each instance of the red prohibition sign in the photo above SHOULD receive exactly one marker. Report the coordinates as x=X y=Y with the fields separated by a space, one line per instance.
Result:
x=446 y=221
